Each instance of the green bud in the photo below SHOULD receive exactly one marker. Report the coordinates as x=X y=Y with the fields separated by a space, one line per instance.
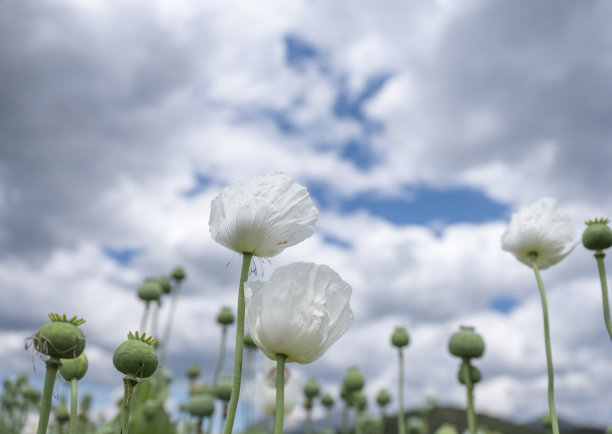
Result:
x=200 y=389
x=597 y=235
x=223 y=389
x=74 y=368
x=327 y=401
x=353 y=380
x=446 y=429
x=311 y=388
x=383 y=398
x=202 y=405
x=178 y=274
x=164 y=283
x=400 y=337
x=150 y=290
x=226 y=316
x=193 y=371
x=476 y=376
x=248 y=341
x=60 y=338
x=466 y=343
x=136 y=357
x=416 y=425
x=360 y=401
x=62 y=415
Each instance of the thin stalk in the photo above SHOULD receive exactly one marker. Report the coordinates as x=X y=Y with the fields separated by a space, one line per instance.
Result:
x=169 y=321
x=143 y=322
x=599 y=255
x=231 y=415
x=549 y=363
x=128 y=388
x=73 y=406
x=279 y=413
x=467 y=377
x=199 y=425
x=154 y=319
x=345 y=417
x=357 y=421
x=308 y=429
x=400 y=395
x=221 y=355
x=45 y=406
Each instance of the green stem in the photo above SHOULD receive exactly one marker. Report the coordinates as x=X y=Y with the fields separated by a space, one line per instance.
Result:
x=221 y=355
x=345 y=422
x=308 y=429
x=154 y=319
x=45 y=406
x=599 y=255
x=279 y=413
x=128 y=388
x=549 y=363
x=244 y=275
x=73 y=406
x=467 y=377
x=357 y=421
x=169 y=321
x=143 y=322
x=400 y=395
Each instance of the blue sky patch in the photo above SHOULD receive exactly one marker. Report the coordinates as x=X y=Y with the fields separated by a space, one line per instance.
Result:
x=201 y=183
x=504 y=304
x=421 y=205
x=298 y=51
x=330 y=239
x=122 y=256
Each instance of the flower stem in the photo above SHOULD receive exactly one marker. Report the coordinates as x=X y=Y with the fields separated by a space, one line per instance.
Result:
x=169 y=322
x=45 y=406
x=233 y=405
x=599 y=255
x=467 y=377
x=549 y=363
x=345 y=417
x=143 y=322
x=400 y=395
x=73 y=405
x=128 y=388
x=308 y=429
x=221 y=355
x=280 y=394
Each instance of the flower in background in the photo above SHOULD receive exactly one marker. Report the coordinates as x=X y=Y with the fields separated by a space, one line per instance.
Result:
x=541 y=228
x=263 y=215
x=265 y=388
x=300 y=312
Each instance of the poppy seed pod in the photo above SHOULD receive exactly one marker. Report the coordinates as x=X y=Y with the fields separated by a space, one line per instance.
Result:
x=74 y=368
x=475 y=375
x=202 y=405
x=597 y=235
x=223 y=390
x=62 y=415
x=150 y=291
x=353 y=380
x=416 y=425
x=193 y=371
x=164 y=284
x=136 y=357
x=327 y=401
x=400 y=337
x=178 y=274
x=200 y=389
x=61 y=338
x=248 y=341
x=311 y=389
x=226 y=316
x=360 y=401
x=383 y=398
x=466 y=343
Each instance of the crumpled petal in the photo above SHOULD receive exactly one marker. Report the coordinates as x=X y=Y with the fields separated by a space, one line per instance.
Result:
x=541 y=228
x=263 y=215
x=300 y=312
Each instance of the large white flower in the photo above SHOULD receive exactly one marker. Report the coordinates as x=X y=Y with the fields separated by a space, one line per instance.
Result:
x=265 y=388
x=540 y=228
x=263 y=215
x=300 y=312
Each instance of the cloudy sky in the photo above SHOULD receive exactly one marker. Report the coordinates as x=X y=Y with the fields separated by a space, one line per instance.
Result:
x=417 y=126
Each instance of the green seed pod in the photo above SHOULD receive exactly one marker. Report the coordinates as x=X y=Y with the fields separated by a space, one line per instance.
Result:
x=597 y=235
x=62 y=415
x=31 y=395
x=466 y=343
x=74 y=368
x=178 y=274
x=400 y=337
x=327 y=401
x=61 y=338
x=546 y=421
x=248 y=341
x=446 y=429
x=193 y=371
x=226 y=316
x=311 y=388
x=416 y=425
x=150 y=290
x=223 y=389
x=164 y=284
x=136 y=356
x=150 y=408
x=200 y=389
x=353 y=380
x=474 y=374
x=383 y=398
x=202 y=405
x=360 y=401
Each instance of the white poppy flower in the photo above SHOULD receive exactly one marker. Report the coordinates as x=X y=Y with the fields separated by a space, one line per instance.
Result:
x=540 y=228
x=300 y=312
x=265 y=388
x=263 y=215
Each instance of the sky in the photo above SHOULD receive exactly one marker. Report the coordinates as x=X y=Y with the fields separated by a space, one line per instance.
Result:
x=418 y=128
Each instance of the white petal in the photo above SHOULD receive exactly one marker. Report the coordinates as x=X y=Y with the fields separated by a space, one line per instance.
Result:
x=262 y=216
